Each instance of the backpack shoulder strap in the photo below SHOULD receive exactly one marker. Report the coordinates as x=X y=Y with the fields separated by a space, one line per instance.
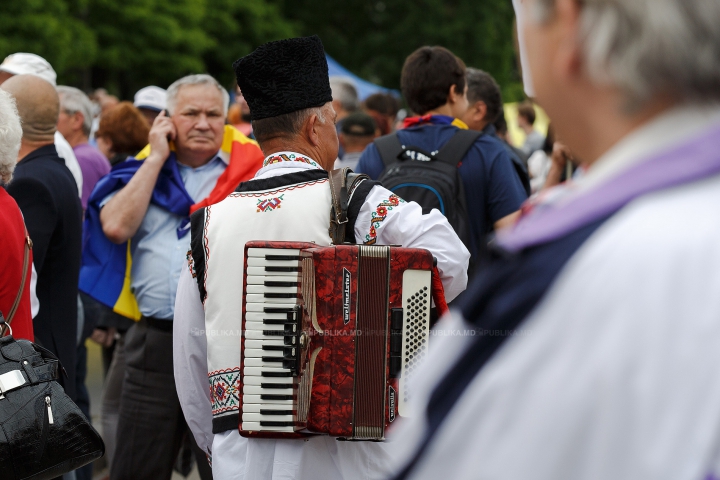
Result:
x=457 y=147
x=389 y=147
x=342 y=182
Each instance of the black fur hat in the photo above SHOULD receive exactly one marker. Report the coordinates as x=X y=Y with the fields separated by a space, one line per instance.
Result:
x=284 y=77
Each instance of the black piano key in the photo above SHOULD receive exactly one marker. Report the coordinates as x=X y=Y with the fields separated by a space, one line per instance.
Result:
x=283 y=258
x=276 y=321
x=278 y=310
x=271 y=283
x=276 y=386
x=273 y=348
x=274 y=333
x=276 y=374
x=270 y=397
x=272 y=359
x=282 y=269
x=280 y=295
x=276 y=412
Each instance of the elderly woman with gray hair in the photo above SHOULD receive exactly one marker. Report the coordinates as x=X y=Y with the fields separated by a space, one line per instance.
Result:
x=15 y=279
x=587 y=348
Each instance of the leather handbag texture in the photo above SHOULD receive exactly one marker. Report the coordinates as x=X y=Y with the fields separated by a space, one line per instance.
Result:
x=43 y=434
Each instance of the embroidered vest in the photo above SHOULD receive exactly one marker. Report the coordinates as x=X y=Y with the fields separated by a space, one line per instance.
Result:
x=295 y=207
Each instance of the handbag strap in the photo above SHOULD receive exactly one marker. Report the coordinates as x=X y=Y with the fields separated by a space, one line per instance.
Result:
x=18 y=297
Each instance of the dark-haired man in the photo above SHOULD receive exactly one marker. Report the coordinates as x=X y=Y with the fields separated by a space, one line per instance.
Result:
x=485 y=107
x=297 y=133
x=433 y=83
x=357 y=132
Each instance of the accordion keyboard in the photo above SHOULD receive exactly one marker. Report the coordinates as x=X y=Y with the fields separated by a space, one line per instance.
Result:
x=272 y=335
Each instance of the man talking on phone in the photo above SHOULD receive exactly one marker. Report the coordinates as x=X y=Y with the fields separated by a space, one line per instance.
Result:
x=136 y=241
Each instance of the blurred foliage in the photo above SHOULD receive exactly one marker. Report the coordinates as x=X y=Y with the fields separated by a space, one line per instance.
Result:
x=125 y=45
x=372 y=38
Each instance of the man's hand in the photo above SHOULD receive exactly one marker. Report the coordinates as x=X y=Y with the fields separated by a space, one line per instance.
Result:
x=162 y=131
x=122 y=215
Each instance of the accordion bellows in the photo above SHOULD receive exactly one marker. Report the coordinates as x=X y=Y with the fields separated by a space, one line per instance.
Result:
x=330 y=335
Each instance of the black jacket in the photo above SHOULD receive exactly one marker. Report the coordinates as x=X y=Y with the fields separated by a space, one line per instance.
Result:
x=46 y=192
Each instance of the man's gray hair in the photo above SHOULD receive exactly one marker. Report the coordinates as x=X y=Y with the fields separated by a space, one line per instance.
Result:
x=344 y=91
x=198 y=79
x=10 y=136
x=73 y=100
x=650 y=47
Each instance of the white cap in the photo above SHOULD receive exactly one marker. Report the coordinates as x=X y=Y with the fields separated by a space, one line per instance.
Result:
x=152 y=98
x=29 y=64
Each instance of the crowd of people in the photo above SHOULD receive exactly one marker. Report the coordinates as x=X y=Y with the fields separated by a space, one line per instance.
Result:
x=581 y=266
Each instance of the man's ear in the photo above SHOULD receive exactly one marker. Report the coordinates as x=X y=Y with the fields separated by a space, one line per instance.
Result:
x=480 y=110
x=311 y=130
x=568 y=60
x=77 y=121
x=453 y=95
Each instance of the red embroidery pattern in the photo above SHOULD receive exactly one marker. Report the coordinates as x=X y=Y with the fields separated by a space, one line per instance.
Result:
x=191 y=264
x=291 y=157
x=269 y=204
x=225 y=390
x=378 y=216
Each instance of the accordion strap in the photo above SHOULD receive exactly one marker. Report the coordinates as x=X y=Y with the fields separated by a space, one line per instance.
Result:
x=342 y=182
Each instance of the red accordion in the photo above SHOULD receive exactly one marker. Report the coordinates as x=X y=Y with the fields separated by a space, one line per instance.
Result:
x=329 y=336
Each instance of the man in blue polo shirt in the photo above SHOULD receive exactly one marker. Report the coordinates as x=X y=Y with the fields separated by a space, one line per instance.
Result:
x=434 y=86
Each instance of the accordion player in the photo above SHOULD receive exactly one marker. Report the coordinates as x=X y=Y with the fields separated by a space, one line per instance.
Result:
x=330 y=335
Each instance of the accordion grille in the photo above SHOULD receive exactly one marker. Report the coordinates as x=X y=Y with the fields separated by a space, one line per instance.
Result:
x=371 y=344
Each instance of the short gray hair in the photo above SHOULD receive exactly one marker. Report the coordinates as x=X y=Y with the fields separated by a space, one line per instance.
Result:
x=10 y=136
x=287 y=125
x=650 y=47
x=73 y=100
x=344 y=91
x=198 y=79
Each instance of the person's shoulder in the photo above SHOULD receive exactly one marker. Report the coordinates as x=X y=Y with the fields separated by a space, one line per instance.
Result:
x=667 y=231
x=488 y=148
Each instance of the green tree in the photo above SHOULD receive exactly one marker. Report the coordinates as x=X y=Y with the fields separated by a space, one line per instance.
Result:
x=46 y=28
x=372 y=38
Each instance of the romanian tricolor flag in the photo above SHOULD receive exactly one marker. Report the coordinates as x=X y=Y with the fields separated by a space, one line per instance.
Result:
x=106 y=268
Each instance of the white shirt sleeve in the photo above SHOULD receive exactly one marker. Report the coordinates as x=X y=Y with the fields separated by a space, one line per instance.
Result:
x=386 y=219
x=34 y=302
x=190 y=360
x=65 y=152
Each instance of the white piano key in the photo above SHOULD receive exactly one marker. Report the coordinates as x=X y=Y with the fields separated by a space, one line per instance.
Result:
x=250 y=400
x=260 y=307
x=257 y=353
x=264 y=289
x=261 y=279
x=258 y=344
x=258 y=390
x=259 y=362
x=257 y=407
x=262 y=262
x=255 y=427
x=262 y=271
x=259 y=335
x=260 y=316
x=254 y=380
x=259 y=417
x=260 y=298
x=261 y=252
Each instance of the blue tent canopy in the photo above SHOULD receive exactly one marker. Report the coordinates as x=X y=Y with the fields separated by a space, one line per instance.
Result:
x=364 y=88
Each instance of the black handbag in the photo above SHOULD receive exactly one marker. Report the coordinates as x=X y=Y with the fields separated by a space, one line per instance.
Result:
x=43 y=434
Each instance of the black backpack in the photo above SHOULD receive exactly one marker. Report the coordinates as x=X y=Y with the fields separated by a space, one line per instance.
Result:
x=429 y=178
